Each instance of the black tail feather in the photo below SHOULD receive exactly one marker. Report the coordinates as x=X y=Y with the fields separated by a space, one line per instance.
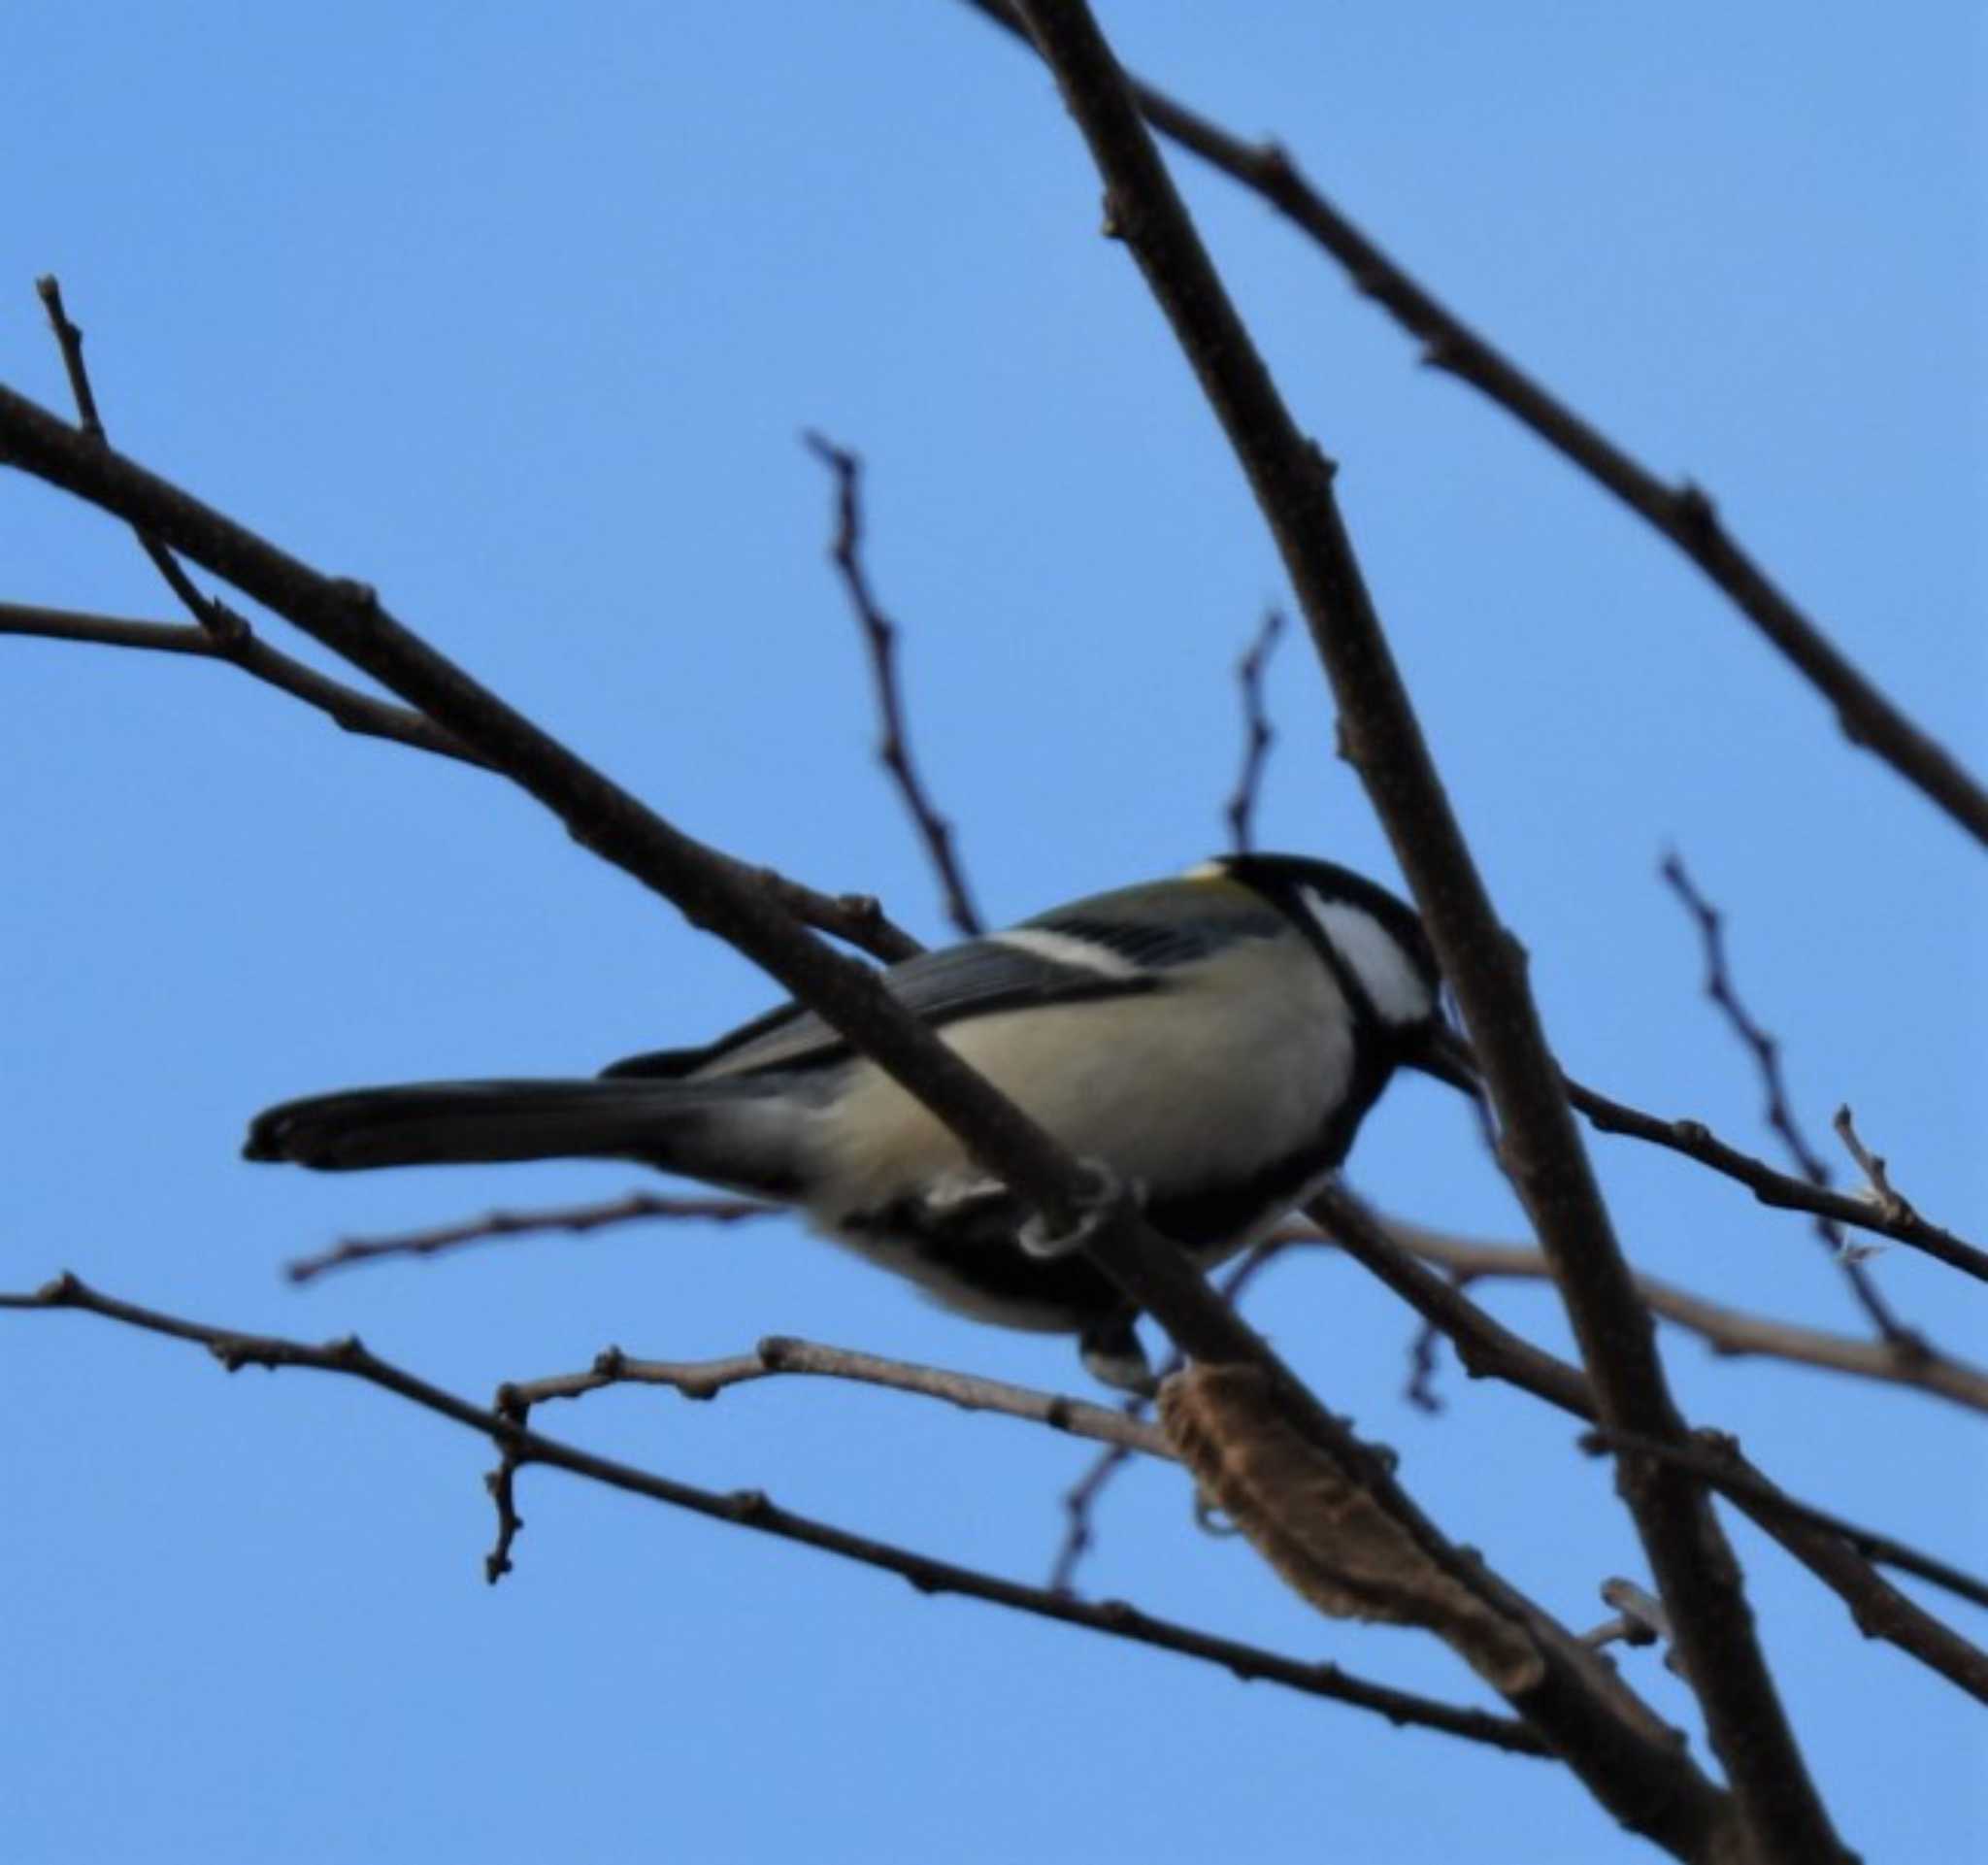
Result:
x=438 y=1122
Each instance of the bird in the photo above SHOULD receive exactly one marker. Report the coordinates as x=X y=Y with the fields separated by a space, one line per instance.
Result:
x=1210 y=1042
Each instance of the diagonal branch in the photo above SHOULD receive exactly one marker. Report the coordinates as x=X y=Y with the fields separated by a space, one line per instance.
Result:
x=1682 y=514
x=752 y=1509
x=1715 y=1458
x=1489 y=1350
x=855 y=917
x=1699 y=1577
x=1694 y=1140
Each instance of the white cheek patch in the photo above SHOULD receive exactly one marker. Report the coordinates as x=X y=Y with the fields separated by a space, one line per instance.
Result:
x=1394 y=985
x=1070 y=952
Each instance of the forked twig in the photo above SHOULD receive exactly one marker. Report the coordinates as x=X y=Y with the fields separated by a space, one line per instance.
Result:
x=1766 y=1050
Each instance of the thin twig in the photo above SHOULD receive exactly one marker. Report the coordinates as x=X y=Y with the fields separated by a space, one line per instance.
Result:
x=1766 y=1050
x=879 y=635
x=573 y=1219
x=1883 y=1193
x=1424 y=1361
x=1682 y=514
x=344 y=706
x=1711 y=1456
x=858 y=919
x=1727 y=1331
x=1694 y=1140
x=780 y=1354
x=1489 y=1350
x=223 y=633
x=1258 y=734
x=750 y=1509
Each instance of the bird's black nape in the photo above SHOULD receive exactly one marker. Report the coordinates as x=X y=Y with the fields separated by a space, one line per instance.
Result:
x=1280 y=877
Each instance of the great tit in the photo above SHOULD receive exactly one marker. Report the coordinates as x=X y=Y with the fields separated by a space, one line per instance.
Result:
x=1213 y=1042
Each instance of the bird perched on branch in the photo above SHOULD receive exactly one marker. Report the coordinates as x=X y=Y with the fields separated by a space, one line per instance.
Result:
x=1211 y=1042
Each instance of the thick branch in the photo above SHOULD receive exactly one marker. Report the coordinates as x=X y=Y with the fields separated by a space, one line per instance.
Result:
x=1695 y=1571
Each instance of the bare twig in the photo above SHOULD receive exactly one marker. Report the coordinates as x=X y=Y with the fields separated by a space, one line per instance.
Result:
x=344 y=706
x=1080 y=1509
x=573 y=1219
x=518 y=1447
x=1682 y=514
x=1423 y=1362
x=1766 y=1050
x=1258 y=734
x=1488 y=1349
x=1713 y=1457
x=222 y=633
x=1694 y=1140
x=502 y=1483
x=1726 y=1330
x=879 y=635
x=780 y=1354
x=1774 y=1801
x=229 y=628
x=1883 y=1193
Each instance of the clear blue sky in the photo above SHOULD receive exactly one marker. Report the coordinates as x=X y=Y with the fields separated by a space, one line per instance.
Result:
x=516 y=313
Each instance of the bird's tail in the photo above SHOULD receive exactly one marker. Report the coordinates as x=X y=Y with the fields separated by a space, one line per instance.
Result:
x=738 y=1134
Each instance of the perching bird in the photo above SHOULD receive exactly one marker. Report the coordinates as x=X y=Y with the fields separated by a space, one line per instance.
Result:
x=1213 y=1042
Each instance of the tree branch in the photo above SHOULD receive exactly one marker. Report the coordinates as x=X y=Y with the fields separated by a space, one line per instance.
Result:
x=752 y=1509
x=1583 y=1710
x=573 y=1219
x=1714 y=1457
x=1258 y=734
x=1696 y=1141
x=1695 y=1571
x=1489 y=1350
x=1726 y=1330
x=1682 y=514
x=855 y=917
x=780 y=1354
x=880 y=637
x=1779 y=1110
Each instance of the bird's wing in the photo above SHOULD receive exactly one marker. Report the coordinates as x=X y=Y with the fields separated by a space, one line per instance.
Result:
x=1074 y=953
